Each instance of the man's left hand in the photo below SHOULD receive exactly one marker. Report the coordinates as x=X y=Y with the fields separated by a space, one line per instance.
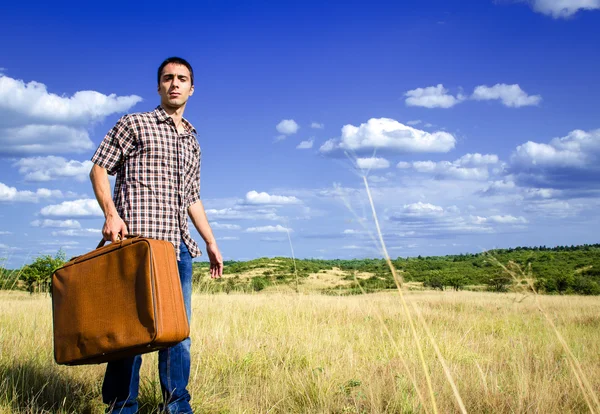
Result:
x=216 y=261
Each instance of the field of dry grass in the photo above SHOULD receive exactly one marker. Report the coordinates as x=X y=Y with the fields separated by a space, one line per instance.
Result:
x=287 y=353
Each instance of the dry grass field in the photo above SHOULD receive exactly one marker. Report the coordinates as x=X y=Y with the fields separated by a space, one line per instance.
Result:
x=287 y=353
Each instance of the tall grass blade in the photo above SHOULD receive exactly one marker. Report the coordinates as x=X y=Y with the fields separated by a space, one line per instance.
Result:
x=586 y=389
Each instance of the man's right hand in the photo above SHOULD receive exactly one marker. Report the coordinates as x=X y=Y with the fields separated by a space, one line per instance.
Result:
x=114 y=228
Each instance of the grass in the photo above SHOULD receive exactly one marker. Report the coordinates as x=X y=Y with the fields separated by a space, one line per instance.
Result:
x=287 y=353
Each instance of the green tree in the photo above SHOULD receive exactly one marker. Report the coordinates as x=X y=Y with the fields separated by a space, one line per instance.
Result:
x=258 y=283
x=585 y=286
x=563 y=282
x=38 y=275
x=435 y=280
x=457 y=282
x=499 y=283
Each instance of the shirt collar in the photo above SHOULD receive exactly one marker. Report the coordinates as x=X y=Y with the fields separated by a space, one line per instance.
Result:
x=162 y=116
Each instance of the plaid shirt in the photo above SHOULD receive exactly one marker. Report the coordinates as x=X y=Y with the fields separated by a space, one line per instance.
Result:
x=158 y=175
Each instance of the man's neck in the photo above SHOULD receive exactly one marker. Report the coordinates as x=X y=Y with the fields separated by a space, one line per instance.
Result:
x=175 y=113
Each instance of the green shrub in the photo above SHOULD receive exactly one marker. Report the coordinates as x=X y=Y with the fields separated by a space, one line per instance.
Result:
x=585 y=286
x=259 y=283
x=38 y=275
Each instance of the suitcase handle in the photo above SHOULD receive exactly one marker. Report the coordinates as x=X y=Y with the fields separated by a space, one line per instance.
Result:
x=102 y=242
x=127 y=236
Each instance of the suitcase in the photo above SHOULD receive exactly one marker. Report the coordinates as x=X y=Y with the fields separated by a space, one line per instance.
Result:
x=117 y=301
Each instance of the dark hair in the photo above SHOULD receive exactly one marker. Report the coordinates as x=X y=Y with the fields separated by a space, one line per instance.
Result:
x=178 y=61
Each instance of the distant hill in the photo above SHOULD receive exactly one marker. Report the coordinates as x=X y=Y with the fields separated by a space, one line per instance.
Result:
x=562 y=269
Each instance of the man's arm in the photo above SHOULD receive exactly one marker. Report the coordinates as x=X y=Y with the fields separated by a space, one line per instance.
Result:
x=114 y=226
x=198 y=216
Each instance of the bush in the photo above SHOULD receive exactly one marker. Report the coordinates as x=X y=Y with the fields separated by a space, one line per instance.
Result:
x=456 y=282
x=585 y=286
x=499 y=283
x=259 y=283
x=38 y=275
x=434 y=281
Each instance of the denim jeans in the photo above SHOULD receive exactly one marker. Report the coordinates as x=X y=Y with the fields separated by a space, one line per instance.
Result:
x=122 y=378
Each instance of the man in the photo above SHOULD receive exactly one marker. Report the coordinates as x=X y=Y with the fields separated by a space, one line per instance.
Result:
x=156 y=158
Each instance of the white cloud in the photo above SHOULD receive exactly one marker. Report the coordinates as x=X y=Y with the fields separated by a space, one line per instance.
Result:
x=228 y=238
x=60 y=243
x=353 y=247
x=508 y=219
x=534 y=154
x=329 y=145
x=554 y=208
x=241 y=214
x=30 y=103
x=52 y=167
x=352 y=231
x=438 y=97
x=78 y=233
x=477 y=159
x=6 y=247
x=432 y=97
x=468 y=167
x=306 y=144
x=563 y=8
x=478 y=219
x=273 y=239
x=317 y=125
x=269 y=229
x=372 y=163
x=567 y=162
x=415 y=122
x=34 y=121
x=76 y=208
x=429 y=220
x=3 y=233
x=12 y=194
x=338 y=191
x=506 y=185
x=541 y=193
x=499 y=219
x=423 y=209
x=223 y=226
x=254 y=197
x=389 y=134
x=287 y=127
x=377 y=179
x=44 y=139
x=578 y=149
x=69 y=224
x=510 y=95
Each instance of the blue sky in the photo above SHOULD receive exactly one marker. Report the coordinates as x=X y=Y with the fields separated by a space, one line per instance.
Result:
x=476 y=122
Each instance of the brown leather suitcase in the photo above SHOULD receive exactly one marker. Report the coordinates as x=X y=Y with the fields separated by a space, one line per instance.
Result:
x=119 y=300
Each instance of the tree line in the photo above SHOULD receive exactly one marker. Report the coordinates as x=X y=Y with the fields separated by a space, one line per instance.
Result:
x=551 y=270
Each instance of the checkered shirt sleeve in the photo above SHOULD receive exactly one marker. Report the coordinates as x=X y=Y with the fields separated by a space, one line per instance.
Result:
x=115 y=146
x=193 y=196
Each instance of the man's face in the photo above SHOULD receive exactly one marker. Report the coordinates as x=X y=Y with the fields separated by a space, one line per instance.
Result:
x=175 y=86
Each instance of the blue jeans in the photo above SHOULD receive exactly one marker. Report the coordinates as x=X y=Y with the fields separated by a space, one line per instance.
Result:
x=122 y=378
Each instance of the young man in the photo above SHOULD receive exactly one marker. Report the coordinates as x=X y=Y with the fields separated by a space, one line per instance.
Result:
x=156 y=158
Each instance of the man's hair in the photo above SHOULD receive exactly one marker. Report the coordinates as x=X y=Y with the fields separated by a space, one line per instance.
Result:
x=179 y=61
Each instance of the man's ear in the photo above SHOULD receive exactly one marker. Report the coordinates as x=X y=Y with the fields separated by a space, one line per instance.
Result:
x=192 y=90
